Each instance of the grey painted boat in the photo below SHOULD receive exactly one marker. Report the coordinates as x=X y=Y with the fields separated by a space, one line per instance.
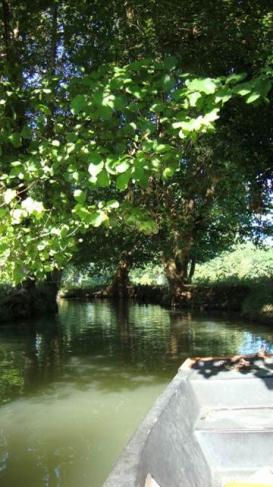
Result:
x=213 y=424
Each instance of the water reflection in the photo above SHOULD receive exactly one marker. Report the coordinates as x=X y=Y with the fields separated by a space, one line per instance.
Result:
x=74 y=388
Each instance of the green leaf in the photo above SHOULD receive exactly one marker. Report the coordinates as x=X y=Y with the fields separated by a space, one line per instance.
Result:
x=235 y=78
x=122 y=181
x=79 y=195
x=82 y=212
x=161 y=148
x=97 y=217
x=168 y=172
x=193 y=98
x=142 y=220
x=139 y=173
x=9 y=195
x=15 y=139
x=167 y=82
x=223 y=95
x=78 y=104
x=148 y=227
x=112 y=204
x=243 y=89
x=32 y=206
x=95 y=169
x=120 y=102
x=26 y=132
x=110 y=165
x=253 y=97
x=103 y=180
x=210 y=116
x=206 y=85
x=134 y=90
x=95 y=157
x=17 y=216
x=122 y=166
x=105 y=112
x=56 y=143
x=170 y=62
x=261 y=88
x=108 y=100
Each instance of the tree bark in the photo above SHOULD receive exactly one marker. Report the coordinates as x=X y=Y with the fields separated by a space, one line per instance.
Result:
x=120 y=281
x=192 y=269
x=176 y=273
x=5 y=18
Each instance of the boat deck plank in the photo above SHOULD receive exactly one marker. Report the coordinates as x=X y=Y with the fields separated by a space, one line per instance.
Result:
x=238 y=419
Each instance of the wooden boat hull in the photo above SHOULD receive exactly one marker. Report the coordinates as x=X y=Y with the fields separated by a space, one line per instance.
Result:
x=204 y=428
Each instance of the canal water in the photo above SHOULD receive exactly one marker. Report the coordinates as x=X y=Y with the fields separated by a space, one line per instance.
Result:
x=73 y=388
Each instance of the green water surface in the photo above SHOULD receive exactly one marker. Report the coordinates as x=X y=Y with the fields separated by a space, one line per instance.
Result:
x=73 y=388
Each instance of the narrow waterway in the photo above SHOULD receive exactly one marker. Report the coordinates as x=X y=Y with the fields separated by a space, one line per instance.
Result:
x=73 y=388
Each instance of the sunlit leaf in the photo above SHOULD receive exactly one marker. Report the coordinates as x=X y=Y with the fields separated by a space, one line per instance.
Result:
x=9 y=195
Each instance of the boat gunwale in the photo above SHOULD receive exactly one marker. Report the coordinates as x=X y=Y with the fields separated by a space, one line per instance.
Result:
x=125 y=469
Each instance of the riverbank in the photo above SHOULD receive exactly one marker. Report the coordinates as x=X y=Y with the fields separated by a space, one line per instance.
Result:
x=252 y=300
x=238 y=281
x=27 y=301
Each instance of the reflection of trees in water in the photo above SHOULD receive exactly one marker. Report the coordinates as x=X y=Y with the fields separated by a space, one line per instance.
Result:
x=11 y=381
x=98 y=340
x=131 y=334
x=11 y=365
x=31 y=365
x=179 y=342
x=30 y=356
x=43 y=355
x=201 y=336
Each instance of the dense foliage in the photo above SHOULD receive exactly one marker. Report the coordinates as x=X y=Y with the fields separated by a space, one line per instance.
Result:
x=244 y=263
x=128 y=139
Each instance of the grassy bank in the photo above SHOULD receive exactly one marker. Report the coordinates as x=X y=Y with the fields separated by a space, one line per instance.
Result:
x=243 y=278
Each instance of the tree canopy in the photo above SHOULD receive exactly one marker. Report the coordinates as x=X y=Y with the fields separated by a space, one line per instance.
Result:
x=115 y=118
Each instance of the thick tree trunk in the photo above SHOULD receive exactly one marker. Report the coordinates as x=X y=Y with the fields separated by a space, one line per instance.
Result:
x=120 y=281
x=53 y=279
x=177 y=268
x=176 y=273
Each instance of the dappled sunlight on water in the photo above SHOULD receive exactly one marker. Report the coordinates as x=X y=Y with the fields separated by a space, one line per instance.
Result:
x=74 y=388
